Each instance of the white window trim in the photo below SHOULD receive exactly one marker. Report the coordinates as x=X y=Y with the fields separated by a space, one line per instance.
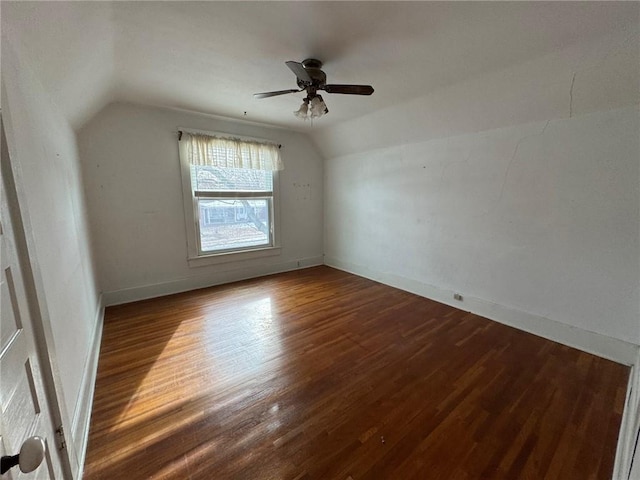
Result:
x=194 y=258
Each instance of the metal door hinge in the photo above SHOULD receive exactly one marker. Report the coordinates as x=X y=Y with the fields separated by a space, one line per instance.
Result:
x=60 y=441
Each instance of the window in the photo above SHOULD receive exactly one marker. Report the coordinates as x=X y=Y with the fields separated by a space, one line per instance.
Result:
x=234 y=207
x=229 y=197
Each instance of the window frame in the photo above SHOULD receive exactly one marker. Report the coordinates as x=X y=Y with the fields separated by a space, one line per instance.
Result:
x=195 y=256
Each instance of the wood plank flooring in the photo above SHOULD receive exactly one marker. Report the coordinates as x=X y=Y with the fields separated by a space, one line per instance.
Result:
x=318 y=374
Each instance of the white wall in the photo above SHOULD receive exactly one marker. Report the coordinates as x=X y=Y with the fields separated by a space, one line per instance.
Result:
x=535 y=222
x=133 y=186
x=541 y=218
x=43 y=150
x=602 y=74
x=70 y=46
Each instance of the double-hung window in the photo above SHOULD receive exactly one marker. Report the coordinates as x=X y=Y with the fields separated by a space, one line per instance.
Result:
x=229 y=194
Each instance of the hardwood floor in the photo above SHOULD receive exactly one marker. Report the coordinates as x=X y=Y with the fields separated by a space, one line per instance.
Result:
x=318 y=374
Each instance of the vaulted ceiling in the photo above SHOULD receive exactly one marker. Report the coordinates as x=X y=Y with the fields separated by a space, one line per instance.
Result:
x=211 y=57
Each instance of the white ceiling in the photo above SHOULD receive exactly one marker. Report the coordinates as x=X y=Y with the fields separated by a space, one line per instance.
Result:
x=212 y=56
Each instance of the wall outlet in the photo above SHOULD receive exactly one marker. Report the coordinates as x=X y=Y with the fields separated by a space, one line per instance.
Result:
x=457 y=296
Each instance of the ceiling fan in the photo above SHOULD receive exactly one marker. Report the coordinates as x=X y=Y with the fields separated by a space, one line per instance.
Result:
x=311 y=78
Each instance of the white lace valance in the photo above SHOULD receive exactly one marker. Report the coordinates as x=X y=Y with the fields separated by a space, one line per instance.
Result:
x=231 y=152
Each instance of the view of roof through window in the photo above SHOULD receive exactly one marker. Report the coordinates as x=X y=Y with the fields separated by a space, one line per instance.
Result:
x=211 y=179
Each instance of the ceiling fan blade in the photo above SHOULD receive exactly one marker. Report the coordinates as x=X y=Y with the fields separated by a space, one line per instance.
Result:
x=349 y=89
x=298 y=69
x=273 y=94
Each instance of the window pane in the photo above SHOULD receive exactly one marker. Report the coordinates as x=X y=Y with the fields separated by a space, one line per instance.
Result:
x=234 y=223
x=205 y=178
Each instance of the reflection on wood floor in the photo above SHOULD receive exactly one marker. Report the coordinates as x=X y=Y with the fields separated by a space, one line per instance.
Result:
x=319 y=374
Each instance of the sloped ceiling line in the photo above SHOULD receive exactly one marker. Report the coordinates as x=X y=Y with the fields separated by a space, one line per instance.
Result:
x=210 y=57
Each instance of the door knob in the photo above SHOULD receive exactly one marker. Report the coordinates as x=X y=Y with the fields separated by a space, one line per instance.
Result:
x=29 y=458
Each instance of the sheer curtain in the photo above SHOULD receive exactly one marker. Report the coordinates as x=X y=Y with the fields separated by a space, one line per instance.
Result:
x=229 y=152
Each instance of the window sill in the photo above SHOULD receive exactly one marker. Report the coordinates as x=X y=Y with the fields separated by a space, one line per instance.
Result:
x=227 y=257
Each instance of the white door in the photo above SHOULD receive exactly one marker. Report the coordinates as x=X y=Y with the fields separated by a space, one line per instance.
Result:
x=24 y=410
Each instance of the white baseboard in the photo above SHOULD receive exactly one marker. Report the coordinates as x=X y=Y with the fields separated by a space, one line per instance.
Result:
x=144 y=292
x=590 y=342
x=629 y=431
x=84 y=404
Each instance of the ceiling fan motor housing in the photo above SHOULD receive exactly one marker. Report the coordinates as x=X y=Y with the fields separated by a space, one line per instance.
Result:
x=311 y=63
x=313 y=68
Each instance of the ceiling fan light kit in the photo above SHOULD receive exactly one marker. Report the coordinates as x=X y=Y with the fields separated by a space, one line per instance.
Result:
x=317 y=107
x=310 y=78
x=303 y=111
x=311 y=108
